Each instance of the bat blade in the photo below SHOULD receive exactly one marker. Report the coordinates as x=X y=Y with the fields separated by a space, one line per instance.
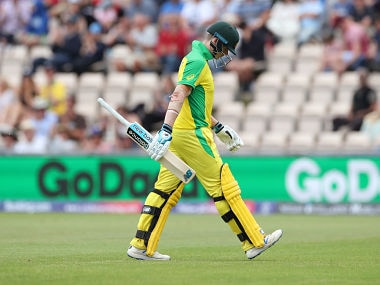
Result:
x=143 y=138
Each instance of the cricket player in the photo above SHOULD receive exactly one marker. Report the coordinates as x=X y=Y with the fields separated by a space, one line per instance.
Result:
x=188 y=131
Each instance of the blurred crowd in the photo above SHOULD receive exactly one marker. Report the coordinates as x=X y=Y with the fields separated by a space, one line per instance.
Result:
x=81 y=33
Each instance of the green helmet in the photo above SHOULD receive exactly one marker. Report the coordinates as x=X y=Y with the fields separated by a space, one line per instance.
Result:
x=226 y=33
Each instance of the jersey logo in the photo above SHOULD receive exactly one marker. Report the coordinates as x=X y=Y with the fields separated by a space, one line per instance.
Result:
x=190 y=77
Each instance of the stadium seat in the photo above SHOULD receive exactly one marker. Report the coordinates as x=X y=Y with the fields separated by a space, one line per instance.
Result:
x=251 y=138
x=119 y=52
x=92 y=82
x=290 y=109
x=344 y=94
x=322 y=94
x=226 y=81
x=357 y=143
x=312 y=50
x=328 y=80
x=339 y=108
x=310 y=124
x=315 y=109
x=145 y=80
x=273 y=142
x=118 y=80
x=259 y=109
x=87 y=105
x=284 y=49
x=141 y=96
x=283 y=65
x=301 y=143
x=282 y=124
x=255 y=124
x=306 y=65
x=69 y=79
x=268 y=86
x=329 y=142
x=224 y=96
x=296 y=87
x=115 y=97
x=40 y=51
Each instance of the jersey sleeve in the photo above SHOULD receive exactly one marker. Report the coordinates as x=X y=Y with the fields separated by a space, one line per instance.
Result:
x=189 y=72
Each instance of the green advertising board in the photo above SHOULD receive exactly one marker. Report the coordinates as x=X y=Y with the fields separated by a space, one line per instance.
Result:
x=282 y=179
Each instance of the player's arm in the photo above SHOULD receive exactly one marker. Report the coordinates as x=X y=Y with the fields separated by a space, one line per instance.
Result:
x=161 y=141
x=176 y=101
x=226 y=134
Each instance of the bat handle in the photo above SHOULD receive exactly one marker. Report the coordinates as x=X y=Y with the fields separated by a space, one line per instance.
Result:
x=114 y=113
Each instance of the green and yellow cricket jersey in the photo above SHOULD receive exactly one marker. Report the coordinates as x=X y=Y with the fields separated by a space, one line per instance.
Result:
x=195 y=72
x=193 y=139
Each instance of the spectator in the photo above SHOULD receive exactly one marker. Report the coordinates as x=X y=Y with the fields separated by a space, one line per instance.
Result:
x=375 y=47
x=356 y=44
x=361 y=13
x=337 y=10
x=27 y=90
x=142 y=39
x=14 y=15
x=7 y=94
x=371 y=126
x=74 y=122
x=61 y=141
x=42 y=119
x=255 y=13
x=147 y=7
x=170 y=8
x=92 y=50
x=118 y=33
x=95 y=142
x=251 y=57
x=37 y=28
x=10 y=108
x=66 y=44
x=311 y=21
x=30 y=142
x=197 y=15
x=63 y=11
x=172 y=44
x=364 y=101
x=332 y=55
x=54 y=92
x=284 y=21
x=8 y=139
x=105 y=14
x=253 y=16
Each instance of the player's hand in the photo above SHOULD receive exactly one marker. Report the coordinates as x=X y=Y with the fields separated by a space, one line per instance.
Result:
x=161 y=142
x=228 y=136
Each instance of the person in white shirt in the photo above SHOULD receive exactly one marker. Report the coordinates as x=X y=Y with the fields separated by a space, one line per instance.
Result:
x=29 y=141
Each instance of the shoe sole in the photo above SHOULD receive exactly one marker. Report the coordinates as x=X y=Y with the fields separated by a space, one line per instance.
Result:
x=267 y=247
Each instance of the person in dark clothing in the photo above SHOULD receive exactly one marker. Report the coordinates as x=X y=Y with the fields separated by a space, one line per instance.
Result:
x=364 y=101
x=251 y=58
x=92 y=50
x=66 y=47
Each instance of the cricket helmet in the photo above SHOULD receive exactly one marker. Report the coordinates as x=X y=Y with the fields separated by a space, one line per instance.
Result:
x=226 y=33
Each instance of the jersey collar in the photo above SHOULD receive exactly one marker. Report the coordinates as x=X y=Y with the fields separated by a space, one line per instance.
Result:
x=202 y=49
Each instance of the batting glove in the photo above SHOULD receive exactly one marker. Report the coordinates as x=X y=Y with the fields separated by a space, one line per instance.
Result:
x=161 y=142
x=228 y=136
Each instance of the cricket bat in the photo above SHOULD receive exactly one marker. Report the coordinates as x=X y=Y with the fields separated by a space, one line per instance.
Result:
x=143 y=138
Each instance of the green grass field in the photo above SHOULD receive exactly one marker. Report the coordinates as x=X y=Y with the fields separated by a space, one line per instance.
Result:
x=90 y=249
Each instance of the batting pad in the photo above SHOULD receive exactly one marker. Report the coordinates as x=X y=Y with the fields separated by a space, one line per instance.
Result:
x=231 y=192
x=165 y=211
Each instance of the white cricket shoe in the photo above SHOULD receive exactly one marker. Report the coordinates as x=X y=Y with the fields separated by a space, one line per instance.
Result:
x=141 y=254
x=269 y=240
